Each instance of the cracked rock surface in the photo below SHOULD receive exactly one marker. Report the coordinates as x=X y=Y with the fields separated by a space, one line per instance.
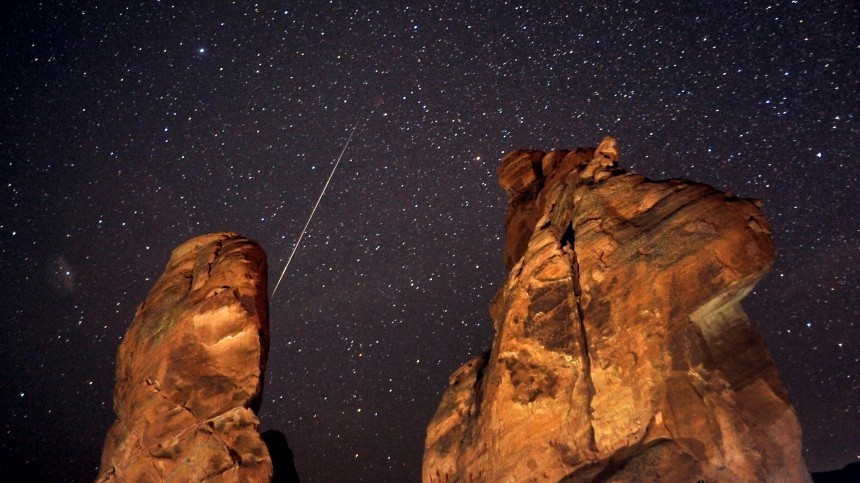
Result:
x=189 y=370
x=621 y=350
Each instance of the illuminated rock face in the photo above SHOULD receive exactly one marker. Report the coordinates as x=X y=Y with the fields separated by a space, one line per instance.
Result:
x=189 y=371
x=621 y=350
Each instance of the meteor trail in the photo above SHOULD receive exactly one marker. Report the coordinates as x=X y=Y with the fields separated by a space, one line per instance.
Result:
x=315 y=206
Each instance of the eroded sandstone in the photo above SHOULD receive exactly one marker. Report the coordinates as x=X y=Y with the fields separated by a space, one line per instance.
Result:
x=189 y=370
x=621 y=351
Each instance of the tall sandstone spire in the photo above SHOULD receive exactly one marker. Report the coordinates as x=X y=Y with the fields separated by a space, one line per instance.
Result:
x=621 y=350
x=189 y=371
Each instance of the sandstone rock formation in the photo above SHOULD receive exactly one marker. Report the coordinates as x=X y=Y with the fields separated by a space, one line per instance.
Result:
x=621 y=351
x=189 y=371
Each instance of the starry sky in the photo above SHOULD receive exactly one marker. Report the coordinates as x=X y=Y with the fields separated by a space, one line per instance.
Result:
x=129 y=129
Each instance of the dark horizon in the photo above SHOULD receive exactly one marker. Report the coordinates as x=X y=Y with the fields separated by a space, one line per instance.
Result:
x=129 y=130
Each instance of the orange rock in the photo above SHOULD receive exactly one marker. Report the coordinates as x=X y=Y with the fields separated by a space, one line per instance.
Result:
x=621 y=351
x=189 y=371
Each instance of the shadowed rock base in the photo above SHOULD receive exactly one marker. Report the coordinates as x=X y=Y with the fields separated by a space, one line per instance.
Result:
x=283 y=460
x=621 y=351
x=849 y=474
x=189 y=371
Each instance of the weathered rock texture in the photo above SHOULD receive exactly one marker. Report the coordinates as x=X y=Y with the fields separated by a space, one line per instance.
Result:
x=189 y=371
x=621 y=350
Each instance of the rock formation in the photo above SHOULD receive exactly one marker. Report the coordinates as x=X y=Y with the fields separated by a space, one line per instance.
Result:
x=621 y=351
x=189 y=371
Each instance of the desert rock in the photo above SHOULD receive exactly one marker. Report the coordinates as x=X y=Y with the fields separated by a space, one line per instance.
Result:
x=189 y=370
x=621 y=351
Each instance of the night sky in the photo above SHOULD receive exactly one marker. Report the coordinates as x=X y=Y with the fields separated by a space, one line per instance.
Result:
x=127 y=130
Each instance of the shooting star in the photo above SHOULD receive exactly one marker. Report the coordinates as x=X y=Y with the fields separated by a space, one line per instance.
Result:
x=302 y=234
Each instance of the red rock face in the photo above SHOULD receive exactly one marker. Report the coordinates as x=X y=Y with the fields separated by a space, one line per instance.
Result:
x=621 y=350
x=190 y=370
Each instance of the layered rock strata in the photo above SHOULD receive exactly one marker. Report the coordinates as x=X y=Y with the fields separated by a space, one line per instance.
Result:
x=189 y=371
x=621 y=351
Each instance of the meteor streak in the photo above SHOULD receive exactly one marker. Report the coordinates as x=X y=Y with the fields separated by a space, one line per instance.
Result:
x=302 y=234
